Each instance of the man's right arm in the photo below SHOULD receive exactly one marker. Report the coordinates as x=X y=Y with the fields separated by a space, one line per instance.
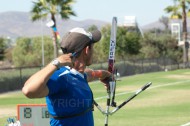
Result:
x=36 y=85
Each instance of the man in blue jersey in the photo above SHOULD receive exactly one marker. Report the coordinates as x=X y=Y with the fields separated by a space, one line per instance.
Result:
x=64 y=81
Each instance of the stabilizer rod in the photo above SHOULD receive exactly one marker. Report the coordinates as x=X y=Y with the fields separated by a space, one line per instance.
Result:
x=131 y=97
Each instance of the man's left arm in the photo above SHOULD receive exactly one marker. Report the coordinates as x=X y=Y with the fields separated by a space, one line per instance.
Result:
x=97 y=74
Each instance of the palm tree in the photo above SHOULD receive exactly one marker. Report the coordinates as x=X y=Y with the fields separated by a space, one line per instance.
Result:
x=180 y=10
x=43 y=8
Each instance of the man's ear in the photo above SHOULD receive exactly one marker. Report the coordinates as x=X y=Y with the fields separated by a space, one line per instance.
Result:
x=87 y=49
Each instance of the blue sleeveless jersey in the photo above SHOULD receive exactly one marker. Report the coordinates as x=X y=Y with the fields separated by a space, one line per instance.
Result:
x=69 y=94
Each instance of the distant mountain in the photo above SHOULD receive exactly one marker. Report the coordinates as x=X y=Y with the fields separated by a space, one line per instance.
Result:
x=156 y=24
x=159 y=25
x=15 y=24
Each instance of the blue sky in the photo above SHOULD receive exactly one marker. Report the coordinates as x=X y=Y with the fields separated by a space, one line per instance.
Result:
x=146 y=11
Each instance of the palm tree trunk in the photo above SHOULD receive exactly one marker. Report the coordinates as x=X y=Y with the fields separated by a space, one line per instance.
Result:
x=185 y=49
x=54 y=38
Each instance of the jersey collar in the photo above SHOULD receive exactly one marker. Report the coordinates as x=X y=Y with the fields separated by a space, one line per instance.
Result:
x=75 y=72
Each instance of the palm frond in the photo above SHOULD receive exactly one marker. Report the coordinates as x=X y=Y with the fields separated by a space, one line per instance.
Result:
x=41 y=8
x=170 y=9
x=188 y=1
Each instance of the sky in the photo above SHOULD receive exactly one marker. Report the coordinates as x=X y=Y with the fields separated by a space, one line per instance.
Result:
x=145 y=11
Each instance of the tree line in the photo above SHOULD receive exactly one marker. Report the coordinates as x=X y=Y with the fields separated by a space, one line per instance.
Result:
x=130 y=44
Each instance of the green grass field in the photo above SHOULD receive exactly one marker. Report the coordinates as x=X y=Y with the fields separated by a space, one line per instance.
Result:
x=165 y=103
